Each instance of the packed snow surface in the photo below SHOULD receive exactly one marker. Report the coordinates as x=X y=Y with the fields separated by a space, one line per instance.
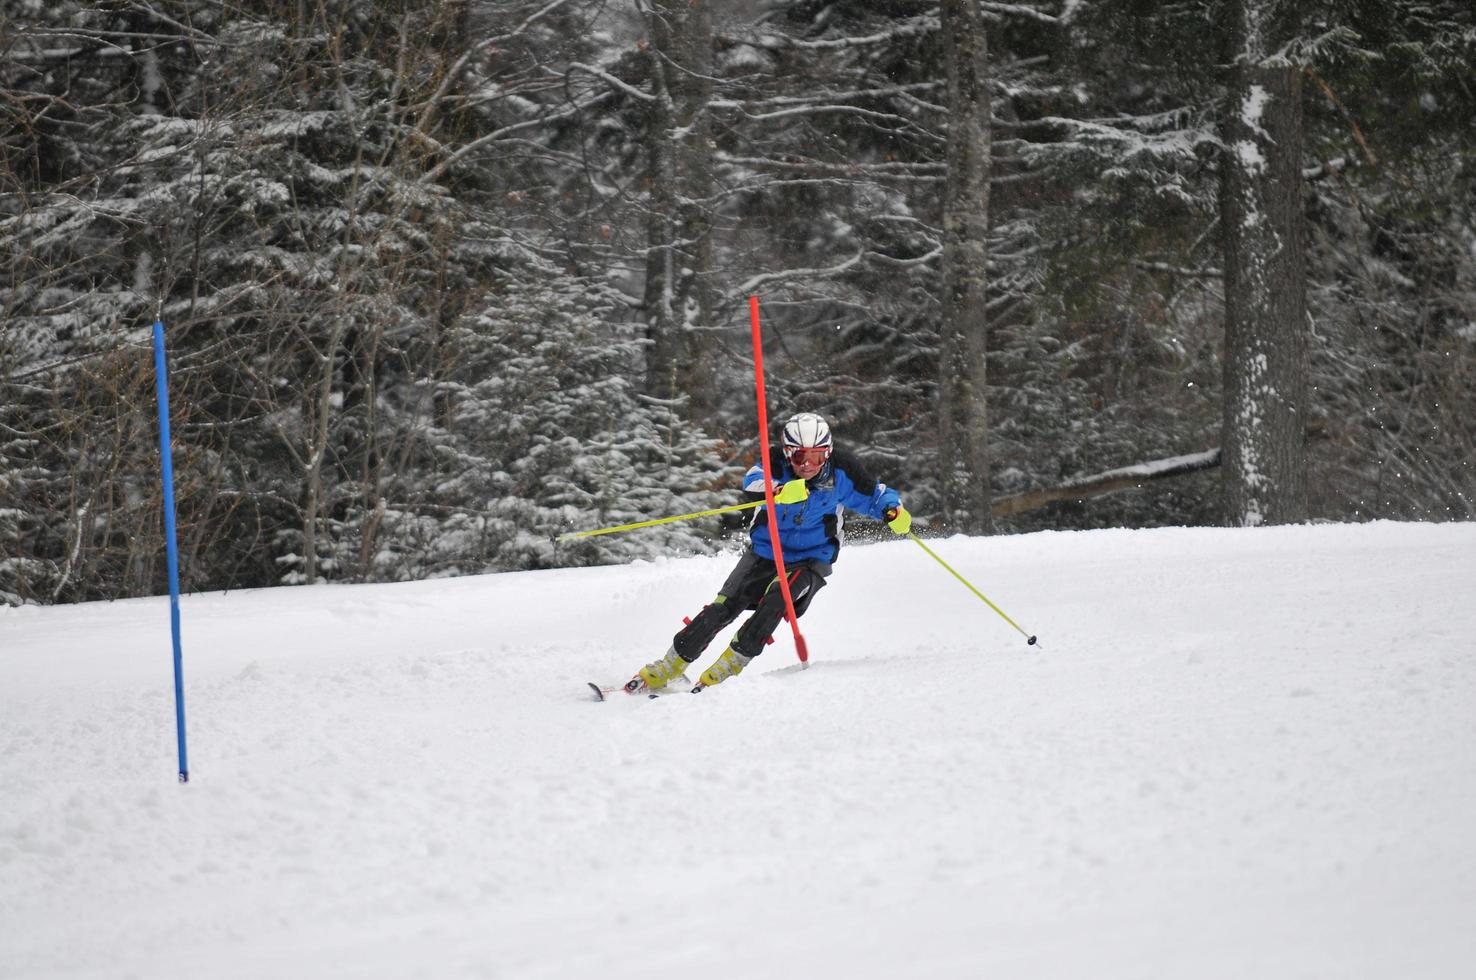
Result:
x=1236 y=753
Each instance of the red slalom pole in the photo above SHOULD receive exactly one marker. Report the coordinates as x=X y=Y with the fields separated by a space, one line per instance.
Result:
x=763 y=420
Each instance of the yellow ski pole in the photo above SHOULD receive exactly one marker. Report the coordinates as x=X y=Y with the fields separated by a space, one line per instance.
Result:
x=660 y=520
x=1029 y=639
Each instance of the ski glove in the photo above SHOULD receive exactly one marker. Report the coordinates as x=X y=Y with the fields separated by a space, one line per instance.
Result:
x=898 y=519
x=793 y=492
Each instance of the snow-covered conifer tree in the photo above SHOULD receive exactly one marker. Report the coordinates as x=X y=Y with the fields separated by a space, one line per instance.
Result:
x=542 y=428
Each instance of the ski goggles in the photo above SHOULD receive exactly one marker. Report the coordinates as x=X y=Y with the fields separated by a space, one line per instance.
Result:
x=808 y=457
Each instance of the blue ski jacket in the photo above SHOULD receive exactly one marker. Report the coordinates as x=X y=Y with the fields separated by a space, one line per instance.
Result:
x=814 y=528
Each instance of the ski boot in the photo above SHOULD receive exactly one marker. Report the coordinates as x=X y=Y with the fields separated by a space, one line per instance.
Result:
x=656 y=675
x=730 y=664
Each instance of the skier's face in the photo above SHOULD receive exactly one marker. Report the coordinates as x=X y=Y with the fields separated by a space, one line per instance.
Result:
x=807 y=462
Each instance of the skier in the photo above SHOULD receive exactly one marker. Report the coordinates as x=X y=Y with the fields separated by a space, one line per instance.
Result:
x=814 y=482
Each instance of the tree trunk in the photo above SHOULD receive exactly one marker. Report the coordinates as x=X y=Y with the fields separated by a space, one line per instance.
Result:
x=963 y=421
x=1265 y=364
x=317 y=451
x=678 y=296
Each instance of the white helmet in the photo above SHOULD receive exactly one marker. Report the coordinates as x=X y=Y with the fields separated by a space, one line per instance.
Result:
x=806 y=430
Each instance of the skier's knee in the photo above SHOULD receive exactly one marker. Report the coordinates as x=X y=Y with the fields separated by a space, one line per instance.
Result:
x=699 y=630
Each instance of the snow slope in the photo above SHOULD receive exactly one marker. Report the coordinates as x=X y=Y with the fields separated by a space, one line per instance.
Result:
x=1245 y=753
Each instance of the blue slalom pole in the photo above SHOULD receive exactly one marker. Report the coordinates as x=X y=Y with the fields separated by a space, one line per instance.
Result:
x=161 y=382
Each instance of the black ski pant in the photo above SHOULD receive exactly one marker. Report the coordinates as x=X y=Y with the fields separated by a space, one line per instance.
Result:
x=753 y=584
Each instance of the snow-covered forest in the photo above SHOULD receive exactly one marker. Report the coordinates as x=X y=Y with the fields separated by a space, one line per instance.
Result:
x=443 y=279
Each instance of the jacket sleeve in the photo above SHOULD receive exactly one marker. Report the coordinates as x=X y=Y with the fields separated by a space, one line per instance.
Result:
x=865 y=494
x=753 y=480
